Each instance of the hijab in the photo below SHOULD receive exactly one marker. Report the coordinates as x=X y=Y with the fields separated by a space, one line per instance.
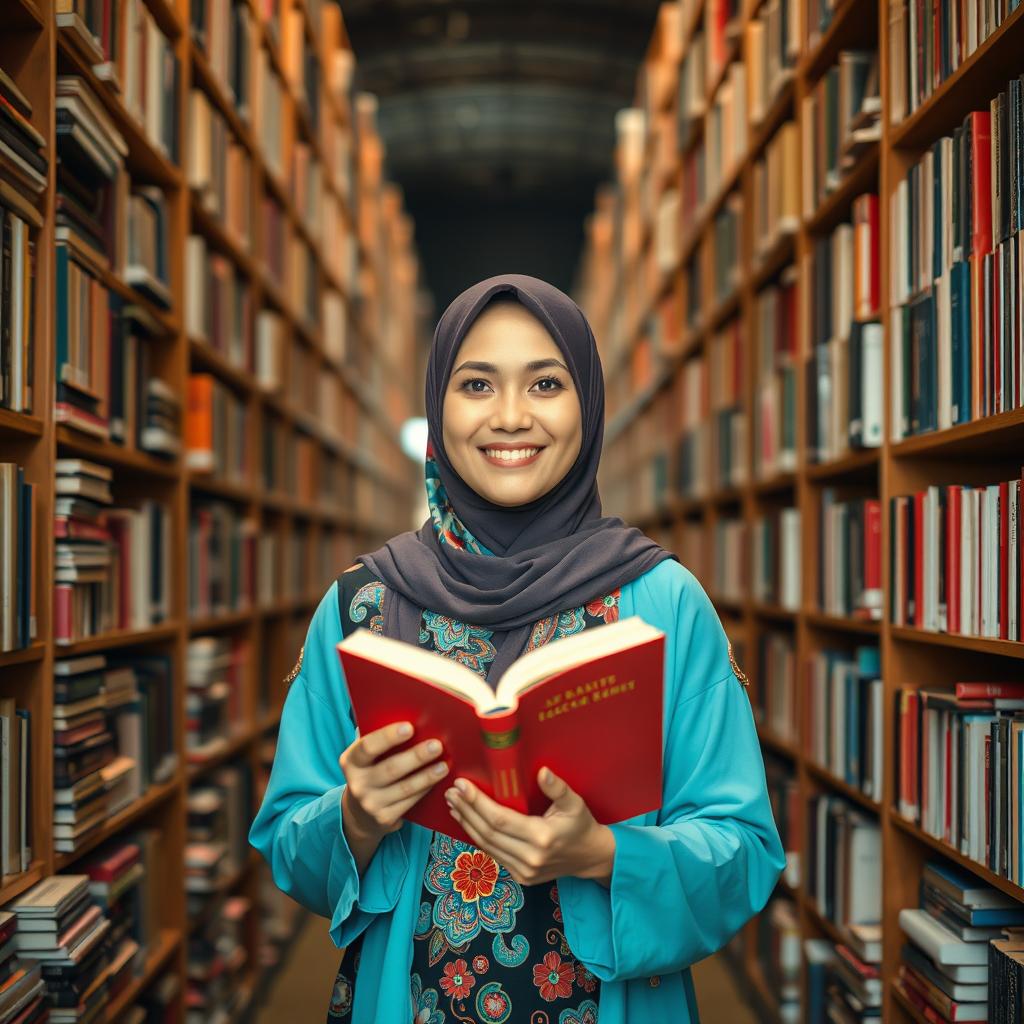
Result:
x=501 y=567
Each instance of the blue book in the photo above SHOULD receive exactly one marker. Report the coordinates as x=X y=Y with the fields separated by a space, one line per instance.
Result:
x=960 y=309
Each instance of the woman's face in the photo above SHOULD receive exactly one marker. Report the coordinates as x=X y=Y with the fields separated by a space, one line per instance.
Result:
x=511 y=418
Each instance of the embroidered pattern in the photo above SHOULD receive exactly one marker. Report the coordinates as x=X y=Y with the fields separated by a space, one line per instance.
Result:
x=293 y=675
x=448 y=528
x=606 y=608
x=369 y=597
x=737 y=671
x=468 y=645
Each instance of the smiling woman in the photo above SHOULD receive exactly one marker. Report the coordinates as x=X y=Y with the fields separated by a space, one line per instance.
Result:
x=512 y=420
x=552 y=917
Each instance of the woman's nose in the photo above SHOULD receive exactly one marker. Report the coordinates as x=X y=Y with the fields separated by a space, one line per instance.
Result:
x=511 y=412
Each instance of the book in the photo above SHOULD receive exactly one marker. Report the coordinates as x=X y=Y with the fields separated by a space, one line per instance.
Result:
x=555 y=707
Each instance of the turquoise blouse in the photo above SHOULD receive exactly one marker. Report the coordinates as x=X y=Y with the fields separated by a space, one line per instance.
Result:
x=685 y=877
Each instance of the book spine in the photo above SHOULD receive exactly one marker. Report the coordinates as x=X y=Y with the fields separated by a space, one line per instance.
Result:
x=500 y=734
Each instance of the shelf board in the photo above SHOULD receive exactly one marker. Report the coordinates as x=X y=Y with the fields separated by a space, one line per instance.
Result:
x=843 y=624
x=726 y=308
x=822 y=923
x=834 y=207
x=862 y=462
x=979 y=644
x=729 y=495
x=212 y=485
x=826 y=778
x=117 y=638
x=233 y=745
x=978 y=78
x=778 y=107
x=19 y=424
x=23 y=656
x=776 y=745
x=773 y=260
x=24 y=14
x=204 y=76
x=989 y=437
x=73 y=442
x=205 y=222
x=784 y=481
x=153 y=797
x=221 y=622
x=773 y=611
x=206 y=358
x=12 y=886
x=949 y=852
x=166 y=944
x=849 y=29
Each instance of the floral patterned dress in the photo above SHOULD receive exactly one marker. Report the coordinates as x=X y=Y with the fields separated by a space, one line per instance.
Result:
x=486 y=949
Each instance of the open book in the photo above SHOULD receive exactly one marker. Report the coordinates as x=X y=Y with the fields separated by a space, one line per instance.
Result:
x=589 y=707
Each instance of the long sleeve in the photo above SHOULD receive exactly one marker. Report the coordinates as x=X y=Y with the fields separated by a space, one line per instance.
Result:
x=687 y=878
x=298 y=829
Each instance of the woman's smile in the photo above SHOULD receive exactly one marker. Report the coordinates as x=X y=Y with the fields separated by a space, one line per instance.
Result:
x=508 y=457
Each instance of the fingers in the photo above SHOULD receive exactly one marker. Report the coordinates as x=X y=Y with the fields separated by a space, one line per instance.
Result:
x=408 y=790
x=558 y=791
x=368 y=748
x=496 y=831
x=397 y=766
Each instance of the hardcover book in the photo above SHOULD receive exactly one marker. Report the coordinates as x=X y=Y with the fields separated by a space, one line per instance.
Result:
x=588 y=707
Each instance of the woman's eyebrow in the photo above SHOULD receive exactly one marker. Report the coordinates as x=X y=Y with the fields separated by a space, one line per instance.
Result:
x=537 y=364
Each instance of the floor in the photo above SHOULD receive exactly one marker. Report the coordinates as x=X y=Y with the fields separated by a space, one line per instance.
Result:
x=302 y=987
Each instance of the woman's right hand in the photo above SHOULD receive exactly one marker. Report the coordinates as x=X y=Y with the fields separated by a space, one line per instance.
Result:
x=379 y=792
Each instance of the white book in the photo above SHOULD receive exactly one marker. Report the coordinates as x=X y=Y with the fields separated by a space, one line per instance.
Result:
x=872 y=389
x=939 y=942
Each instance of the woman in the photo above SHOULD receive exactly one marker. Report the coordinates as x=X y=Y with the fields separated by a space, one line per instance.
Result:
x=553 y=919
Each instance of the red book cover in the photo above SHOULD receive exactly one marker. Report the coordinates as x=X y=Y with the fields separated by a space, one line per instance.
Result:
x=954 y=507
x=919 y=559
x=1004 y=560
x=873 y=556
x=989 y=691
x=572 y=720
x=110 y=868
x=981 y=182
x=62 y=618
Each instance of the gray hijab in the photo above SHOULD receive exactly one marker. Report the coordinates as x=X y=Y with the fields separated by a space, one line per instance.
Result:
x=556 y=552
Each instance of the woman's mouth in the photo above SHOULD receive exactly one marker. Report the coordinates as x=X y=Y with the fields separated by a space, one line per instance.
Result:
x=511 y=458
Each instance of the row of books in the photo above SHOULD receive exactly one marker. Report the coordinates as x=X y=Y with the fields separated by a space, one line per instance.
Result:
x=956 y=560
x=218 y=169
x=22 y=146
x=17 y=302
x=775 y=368
x=957 y=254
x=958 y=760
x=772 y=49
x=15 y=787
x=844 y=371
x=784 y=794
x=17 y=558
x=215 y=673
x=727 y=395
x=131 y=55
x=221 y=559
x=778 y=952
x=774 y=190
x=776 y=559
x=216 y=426
x=113 y=738
x=775 y=706
x=218 y=303
x=850 y=556
x=841 y=118
x=112 y=565
x=929 y=42
x=289 y=464
x=841 y=984
x=843 y=714
x=225 y=33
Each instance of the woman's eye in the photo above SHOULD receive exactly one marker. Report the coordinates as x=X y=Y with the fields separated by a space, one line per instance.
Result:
x=554 y=382
x=472 y=388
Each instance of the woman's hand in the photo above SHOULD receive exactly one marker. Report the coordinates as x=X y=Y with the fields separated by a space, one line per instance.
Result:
x=378 y=793
x=565 y=840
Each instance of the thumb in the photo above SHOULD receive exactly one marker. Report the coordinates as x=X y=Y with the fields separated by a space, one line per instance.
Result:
x=557 y=790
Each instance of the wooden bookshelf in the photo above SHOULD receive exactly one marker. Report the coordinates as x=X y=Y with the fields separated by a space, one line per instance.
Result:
x=368 y=360
x=623 y=281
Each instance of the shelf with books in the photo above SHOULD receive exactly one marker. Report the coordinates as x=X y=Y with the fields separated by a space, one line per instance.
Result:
x=825 y=778
x=981 y=74
x=863 y=177
x=998 y=435
x=126 y=459
x=118 y=638
x=219 y=623
x=909 y=1008
x=849 y=27
x=151 y=799
x=842 y=624
x=857 y=465
x=228 y=750
x=12 y=886
x=822 y=923
x=978 y=644
x=778 y=746
x=167 y=945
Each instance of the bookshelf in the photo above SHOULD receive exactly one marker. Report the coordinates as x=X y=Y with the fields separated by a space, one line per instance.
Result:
x=691 y=465
x=293 y=211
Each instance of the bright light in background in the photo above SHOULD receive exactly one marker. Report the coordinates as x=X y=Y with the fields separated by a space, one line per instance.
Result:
x=414 y=438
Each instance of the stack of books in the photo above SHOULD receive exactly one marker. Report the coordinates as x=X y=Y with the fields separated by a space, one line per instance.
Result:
x=112 y=565
x=22 y=147
x=775 y=703
x=945 y=965
x=784 y=794
x=217 y=965
x=778 y=952
x=843 y=980
x=22 y=999
x=850 y=556
x=63 y=930
x=222 y=559
x=17 y=558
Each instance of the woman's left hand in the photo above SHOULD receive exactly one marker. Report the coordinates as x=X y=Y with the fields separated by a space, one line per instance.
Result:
x=565 y=840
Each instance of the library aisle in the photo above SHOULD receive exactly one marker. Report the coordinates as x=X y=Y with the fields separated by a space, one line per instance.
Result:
x=227 y=228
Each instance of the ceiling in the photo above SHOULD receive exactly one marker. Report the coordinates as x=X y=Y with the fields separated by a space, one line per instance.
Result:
x=498 y=120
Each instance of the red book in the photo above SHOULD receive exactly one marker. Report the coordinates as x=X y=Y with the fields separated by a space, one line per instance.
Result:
x=62 y=614
x=981 y=181
x=110 y=868
x=1004 y=560
x=563 y=706
x=989 y=691
x=873 y=557
x=954 y=507
x=867 y=265
x=919 y=559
